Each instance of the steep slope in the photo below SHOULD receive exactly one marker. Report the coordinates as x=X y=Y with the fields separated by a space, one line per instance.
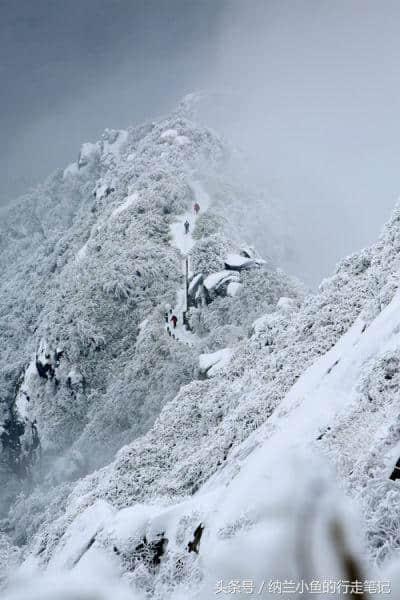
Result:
x=89 y=262
x=225 y=452
x=203 y=490
x=86 y=258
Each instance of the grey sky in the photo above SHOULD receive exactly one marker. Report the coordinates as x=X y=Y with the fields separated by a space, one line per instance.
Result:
x=71 y=68
x=320 y=84
x=316 y=96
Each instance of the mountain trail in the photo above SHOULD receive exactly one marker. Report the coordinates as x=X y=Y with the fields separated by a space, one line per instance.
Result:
x=185 y=242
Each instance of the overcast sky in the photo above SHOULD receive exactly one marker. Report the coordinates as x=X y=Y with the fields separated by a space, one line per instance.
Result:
x=316 y=86
x=71 y=68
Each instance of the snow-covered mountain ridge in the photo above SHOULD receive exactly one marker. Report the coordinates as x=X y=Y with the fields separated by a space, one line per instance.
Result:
x=208 y=463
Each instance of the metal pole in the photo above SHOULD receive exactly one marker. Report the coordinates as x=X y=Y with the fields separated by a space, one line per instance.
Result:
x=186 y=289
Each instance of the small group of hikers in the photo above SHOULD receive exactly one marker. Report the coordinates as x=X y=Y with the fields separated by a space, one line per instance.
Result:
x=171 y=317
x=196 y=209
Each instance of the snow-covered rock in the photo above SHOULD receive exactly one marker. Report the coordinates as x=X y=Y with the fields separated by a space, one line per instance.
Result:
x=215 y=280
x=169 y=135
x=234 y=288
x=88 y=154
x=75 y=377
x=195 y=288
x=81 y=534
x=172 y=137
x=195 y=282
x=247 y=251
x=211 y=364
x=182 y=140
x=237 y=262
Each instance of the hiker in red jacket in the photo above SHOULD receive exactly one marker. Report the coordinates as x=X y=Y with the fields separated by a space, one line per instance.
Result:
x=196 y=208
x=174 y=320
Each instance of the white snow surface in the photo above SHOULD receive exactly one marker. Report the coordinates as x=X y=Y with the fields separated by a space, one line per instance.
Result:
x=184 y=242
x=130 y=200
x=239 y=262
x=194 y=282
x=236 y=261
x=88 y=152
x=264 y=321
x=249 y=516
x=22 y=402
x=216 y=279
x=169 y=134
x=172 y=136
x=234 y=288
x=80 y=534
x=242 y=454
x=212 y=363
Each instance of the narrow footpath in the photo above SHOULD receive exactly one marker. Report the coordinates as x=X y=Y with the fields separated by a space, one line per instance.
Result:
x=185 y=242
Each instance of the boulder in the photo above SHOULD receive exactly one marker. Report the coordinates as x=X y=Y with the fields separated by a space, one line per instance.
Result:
x=211 y=364
x=217 y=284
x=88 y=154
x=215 y=280
x=236 y=262
x=194 y=288
x=234 y=288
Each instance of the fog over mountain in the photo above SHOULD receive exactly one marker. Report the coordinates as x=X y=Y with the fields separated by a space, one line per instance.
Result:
x=72 y=67
x=314 y=92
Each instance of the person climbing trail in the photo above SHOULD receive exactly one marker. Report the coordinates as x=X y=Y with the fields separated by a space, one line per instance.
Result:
x=166 y=317
x=182 y=229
